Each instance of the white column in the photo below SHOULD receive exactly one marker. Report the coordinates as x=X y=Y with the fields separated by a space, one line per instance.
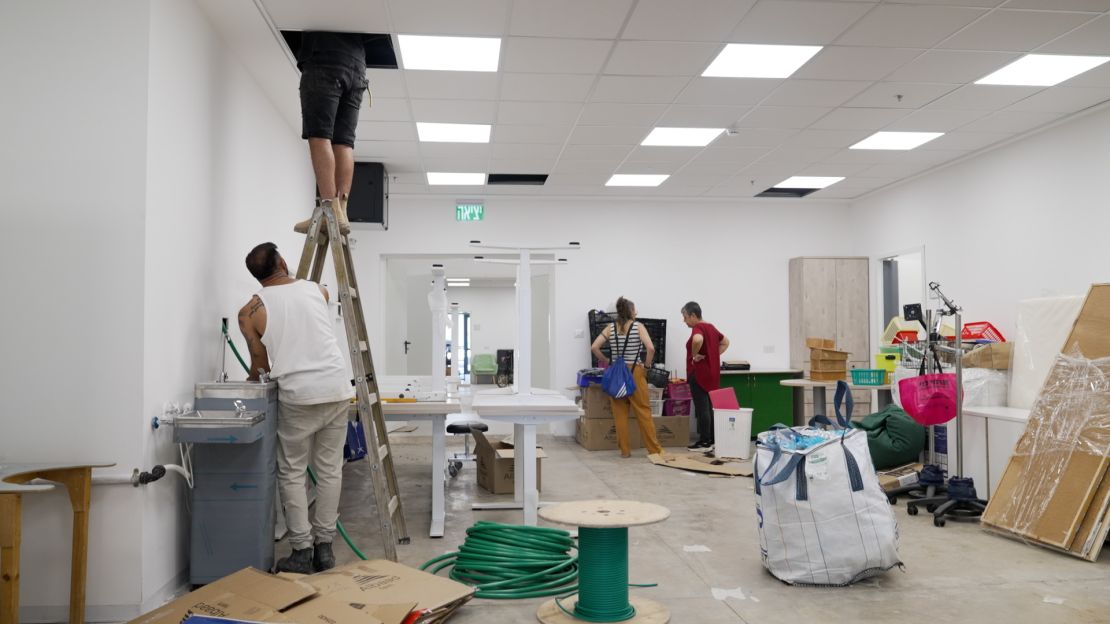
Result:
x=456 y=341
x=437 y=303
x=439 y=467
x=522 y=359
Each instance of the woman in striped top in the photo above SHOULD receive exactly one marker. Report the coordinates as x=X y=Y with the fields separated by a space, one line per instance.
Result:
x=632 y=341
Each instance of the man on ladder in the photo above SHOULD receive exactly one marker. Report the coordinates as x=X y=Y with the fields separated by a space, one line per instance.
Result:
x=290 y=335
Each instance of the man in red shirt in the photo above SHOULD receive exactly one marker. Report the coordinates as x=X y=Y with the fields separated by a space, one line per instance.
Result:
x=703 y=370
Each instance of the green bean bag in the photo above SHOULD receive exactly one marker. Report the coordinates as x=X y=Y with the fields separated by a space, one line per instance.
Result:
x=893 y=437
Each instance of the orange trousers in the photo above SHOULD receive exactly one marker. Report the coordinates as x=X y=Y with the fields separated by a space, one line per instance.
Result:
x=640 y=405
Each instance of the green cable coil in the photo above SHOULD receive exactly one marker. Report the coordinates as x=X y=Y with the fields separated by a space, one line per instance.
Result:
x=311 y=475
x=602 y=576
x=507 y=562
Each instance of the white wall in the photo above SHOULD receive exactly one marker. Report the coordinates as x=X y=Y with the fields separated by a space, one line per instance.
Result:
x=730 y=256
x=492 y=317
x=1027 y=220
x=144 y=165
x=72 y=183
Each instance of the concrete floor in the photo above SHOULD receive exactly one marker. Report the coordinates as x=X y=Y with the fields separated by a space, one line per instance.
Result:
x=956 y=574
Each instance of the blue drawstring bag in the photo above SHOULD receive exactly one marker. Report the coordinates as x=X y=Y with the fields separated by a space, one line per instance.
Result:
x=617 y=380
x=354 y=448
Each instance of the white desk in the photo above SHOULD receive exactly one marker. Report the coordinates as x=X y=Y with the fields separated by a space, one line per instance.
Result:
x=524 y=411
x=990 y=435
x=436 y=413
x=883 y=399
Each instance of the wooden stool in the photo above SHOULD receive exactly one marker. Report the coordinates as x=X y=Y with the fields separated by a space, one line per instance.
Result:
x=13 y=480
x=605 y=514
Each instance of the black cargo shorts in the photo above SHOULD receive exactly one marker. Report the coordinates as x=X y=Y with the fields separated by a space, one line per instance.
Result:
x=330 y=98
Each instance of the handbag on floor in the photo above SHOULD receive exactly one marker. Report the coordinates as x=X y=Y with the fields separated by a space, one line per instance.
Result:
x=617 y=380
x=823 y=517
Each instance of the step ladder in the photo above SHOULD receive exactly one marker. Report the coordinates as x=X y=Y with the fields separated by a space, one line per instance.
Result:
x=382 y=471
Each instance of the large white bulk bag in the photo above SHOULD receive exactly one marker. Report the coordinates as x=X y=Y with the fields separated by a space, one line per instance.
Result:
x=823 y=516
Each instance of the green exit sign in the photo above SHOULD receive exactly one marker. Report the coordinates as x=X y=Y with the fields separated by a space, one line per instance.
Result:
x=470 y=211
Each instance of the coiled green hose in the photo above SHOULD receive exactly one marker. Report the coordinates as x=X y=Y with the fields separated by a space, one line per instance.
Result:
x=311 y=474
x=505 y=561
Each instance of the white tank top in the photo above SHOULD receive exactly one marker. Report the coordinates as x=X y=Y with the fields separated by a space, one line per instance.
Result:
x=305 y=359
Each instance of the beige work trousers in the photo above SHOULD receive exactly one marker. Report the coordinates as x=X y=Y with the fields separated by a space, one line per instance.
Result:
x=311 y=434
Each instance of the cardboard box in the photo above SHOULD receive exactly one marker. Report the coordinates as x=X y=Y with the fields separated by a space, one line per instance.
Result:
x=601 y=435
x=820 y=343
x=496 y=468
x=996 y=355
x=1055 y=491
x=817 y=355
x=670 y=431
x=595 y=403
x=899 y=477
x=828 y=375
x=379 y=583
x=828 y=365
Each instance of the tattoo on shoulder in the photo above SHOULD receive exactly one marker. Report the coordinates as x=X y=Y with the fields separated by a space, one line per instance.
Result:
x=254 y=307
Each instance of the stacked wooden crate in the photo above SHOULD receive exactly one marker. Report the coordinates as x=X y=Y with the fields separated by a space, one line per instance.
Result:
x=825 y=362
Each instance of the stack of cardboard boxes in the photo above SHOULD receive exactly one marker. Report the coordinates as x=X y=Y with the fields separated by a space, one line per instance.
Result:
x=597 y=431
x=825 y=362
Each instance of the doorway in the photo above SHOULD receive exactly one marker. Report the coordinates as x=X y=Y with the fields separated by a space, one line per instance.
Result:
x=901 y=282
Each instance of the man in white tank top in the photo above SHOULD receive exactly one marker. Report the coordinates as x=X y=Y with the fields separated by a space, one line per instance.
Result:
x=291 y=335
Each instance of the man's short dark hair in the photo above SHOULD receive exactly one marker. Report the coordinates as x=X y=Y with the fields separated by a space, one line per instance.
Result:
x=692 y=308
x=263 y=260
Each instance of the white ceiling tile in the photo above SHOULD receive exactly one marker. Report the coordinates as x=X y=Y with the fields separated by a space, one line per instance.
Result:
x=404 y=189
x=516 y=165
x=394 y=164
x=451 y=85
x=815 y=92
x=986 y=4
x=913 y=94
x=546 y=87
x=852 y=157
x=1019 y=31
x=468 y=152
x=407 y=177
x=814 y=137
x=694 y=116
x=830 y=169
x=897 y=170
x=622 y=114
x=1097 y=77
x=687 y=177
x=538 y=113
x=860 y=118
x=724 y=91
x=911 y=26
x=660 y=58
x=386 y=109
x=965 y=141
x=670 y=155
x=598 y=167
x=798 y=22
x=646 y=168
x=525 y=151
x=782 y=116
x=762 y=176
x=640 y=89
x=553 y=56
x=455 y=111
x=752 y=137
x=386 y=83
x=592 y=179
x=952 y=66
x=689 y=20
x=587 y=19
x=930 y=157
x=855 y=63
x=930 y=120
x=608 y=135
x=512 y=133
x=1010 y=121
x=798 y=155
x=1063 y=100
x=983 y=97
x=615 y=153
x=366 y=147
x=839 y=191
x=1091 y=38
x=387 y=130
x=446 y=17
x=713 y=164
x=1060 y=5
x=368 y=16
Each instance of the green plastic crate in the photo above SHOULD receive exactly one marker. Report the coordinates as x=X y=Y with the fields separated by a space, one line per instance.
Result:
x=868 y=376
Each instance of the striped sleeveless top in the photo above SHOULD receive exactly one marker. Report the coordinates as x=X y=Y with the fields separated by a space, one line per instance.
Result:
x=629 y=346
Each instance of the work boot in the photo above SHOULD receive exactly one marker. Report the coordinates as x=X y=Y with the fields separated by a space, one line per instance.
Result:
x=323 y=558
x=341 y=215
x=302 y=227
x=300 y=562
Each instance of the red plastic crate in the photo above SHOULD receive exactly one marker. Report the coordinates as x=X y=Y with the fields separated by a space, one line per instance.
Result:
x=981 y=330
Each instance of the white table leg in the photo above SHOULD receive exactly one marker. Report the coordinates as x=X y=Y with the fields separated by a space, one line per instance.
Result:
x=526 y=473
x=439 y=477
x=820 y=406
x=518 y=459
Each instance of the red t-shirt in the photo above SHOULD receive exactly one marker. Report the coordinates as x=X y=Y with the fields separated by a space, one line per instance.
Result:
x=706 y=372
